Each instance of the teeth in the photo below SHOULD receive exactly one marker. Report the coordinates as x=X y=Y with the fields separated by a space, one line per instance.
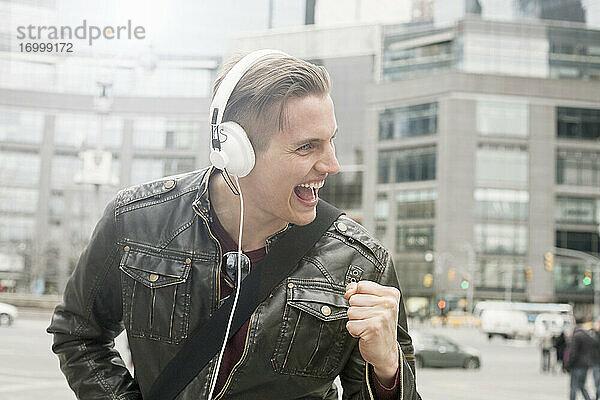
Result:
x=315 y=185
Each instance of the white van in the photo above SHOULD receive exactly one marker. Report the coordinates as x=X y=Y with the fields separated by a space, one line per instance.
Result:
x=552 y=324
x=509 y=324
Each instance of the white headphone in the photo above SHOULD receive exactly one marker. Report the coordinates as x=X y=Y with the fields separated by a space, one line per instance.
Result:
x=231 y=150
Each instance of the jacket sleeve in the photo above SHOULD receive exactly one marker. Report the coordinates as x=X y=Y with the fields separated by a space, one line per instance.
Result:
x=356 y=379
x=85 y=324
x=574 y=351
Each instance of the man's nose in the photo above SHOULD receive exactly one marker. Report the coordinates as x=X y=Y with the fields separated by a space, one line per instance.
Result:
x=328 y=163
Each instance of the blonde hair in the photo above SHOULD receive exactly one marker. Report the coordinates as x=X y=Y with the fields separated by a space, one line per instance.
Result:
x=258 y=101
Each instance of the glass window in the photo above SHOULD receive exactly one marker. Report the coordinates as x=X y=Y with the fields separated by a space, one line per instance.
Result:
x=578 y=123
x=57 y=204
x=417 y=120
x=64 y=169
x=149 y=133
x=19 y=167
x=572 y=52
x=417 y=164
x=400 y=61
x=344 y=190
x=382 y=207
x=502 y=164
x=148 y=169
x=21 y=126
x=501 y=239
x=77 y=130
x=579 y=168
x=16 y=228
x=577 y=210
x=160 y=133
x=414 y=238
x=380 y=231
x=416 y=204
x=582 y=241
x=18 y=200
x=145 y=170
x=506 y=54
x=501 y=204
x=568 y=276
x=411 y=272
x=384 y=165
x=501 y=273
x=502 y=118
x=176 y=81
x=26 y=74
x=183 y=134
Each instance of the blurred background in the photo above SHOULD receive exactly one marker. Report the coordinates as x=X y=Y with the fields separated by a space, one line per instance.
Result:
x=469 y=143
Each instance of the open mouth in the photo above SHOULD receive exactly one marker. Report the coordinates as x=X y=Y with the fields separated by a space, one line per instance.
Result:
x=308 y=193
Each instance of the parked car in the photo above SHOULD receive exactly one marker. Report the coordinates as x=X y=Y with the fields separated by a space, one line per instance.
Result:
x=456 y=319
x=509 y=324
x=433 y=350
x=8 y=314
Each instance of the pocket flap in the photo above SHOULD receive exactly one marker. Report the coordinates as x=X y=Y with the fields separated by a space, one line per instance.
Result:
x=322 y=301
x=154 y=271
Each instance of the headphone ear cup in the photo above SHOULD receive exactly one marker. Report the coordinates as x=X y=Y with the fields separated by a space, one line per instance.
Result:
x=238 y=157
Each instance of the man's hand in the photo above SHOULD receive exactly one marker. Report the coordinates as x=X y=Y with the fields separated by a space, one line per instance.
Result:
x=373 y=317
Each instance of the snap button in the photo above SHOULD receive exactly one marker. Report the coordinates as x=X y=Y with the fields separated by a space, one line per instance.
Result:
x=326 y=311
x=153 y=278
x=126 y=248
x=188 y=260
x=290 y=285
x=169 y=184
x=342 y=227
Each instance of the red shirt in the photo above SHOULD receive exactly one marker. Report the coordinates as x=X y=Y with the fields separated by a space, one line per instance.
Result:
x=235 y=345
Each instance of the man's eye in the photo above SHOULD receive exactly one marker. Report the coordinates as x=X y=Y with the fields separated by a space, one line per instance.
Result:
x=305 y=147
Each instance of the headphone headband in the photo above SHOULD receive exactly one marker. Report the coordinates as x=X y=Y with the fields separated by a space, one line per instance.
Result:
x=217 y=106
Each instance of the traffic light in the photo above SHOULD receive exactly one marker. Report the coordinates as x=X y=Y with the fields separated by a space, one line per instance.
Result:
x=428 y=280
x=587 y=277
x=464 y=284
x=442 y=304
x=528 y=273
x=549 y=261
x=451 y=274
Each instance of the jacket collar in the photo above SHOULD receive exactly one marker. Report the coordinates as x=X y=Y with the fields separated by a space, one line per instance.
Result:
x=202 y=202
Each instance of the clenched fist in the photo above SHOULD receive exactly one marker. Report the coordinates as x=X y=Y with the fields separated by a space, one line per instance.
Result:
x=373 y=318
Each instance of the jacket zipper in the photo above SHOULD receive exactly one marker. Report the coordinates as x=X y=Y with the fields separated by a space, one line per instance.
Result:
x=241 y=360
x=218 y=276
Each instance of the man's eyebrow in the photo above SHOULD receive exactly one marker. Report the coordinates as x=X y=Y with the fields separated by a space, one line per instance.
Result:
x=312 y=140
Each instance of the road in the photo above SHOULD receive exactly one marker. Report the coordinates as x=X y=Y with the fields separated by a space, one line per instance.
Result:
x=510 y=369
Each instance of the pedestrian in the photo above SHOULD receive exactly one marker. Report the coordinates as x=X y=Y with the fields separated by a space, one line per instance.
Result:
x=560 y=343
x=171 y=257
x=546 y=347
x=579 y=360
x=595 y=334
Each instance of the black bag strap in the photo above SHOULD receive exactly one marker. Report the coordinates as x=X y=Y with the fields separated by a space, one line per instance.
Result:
x=203 y=343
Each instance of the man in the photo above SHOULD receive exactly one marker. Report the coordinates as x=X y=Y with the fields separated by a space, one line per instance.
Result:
x=157 y=266
x=595 y=362
x=579 y=359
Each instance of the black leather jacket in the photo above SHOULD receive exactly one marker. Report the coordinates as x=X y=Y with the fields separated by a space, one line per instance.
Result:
x=152 y=267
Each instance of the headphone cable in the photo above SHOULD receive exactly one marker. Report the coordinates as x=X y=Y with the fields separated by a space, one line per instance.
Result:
x=237 y=291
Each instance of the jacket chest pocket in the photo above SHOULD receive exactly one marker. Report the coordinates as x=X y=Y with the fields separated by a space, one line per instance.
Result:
x=156 y=296
x=313 y=333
